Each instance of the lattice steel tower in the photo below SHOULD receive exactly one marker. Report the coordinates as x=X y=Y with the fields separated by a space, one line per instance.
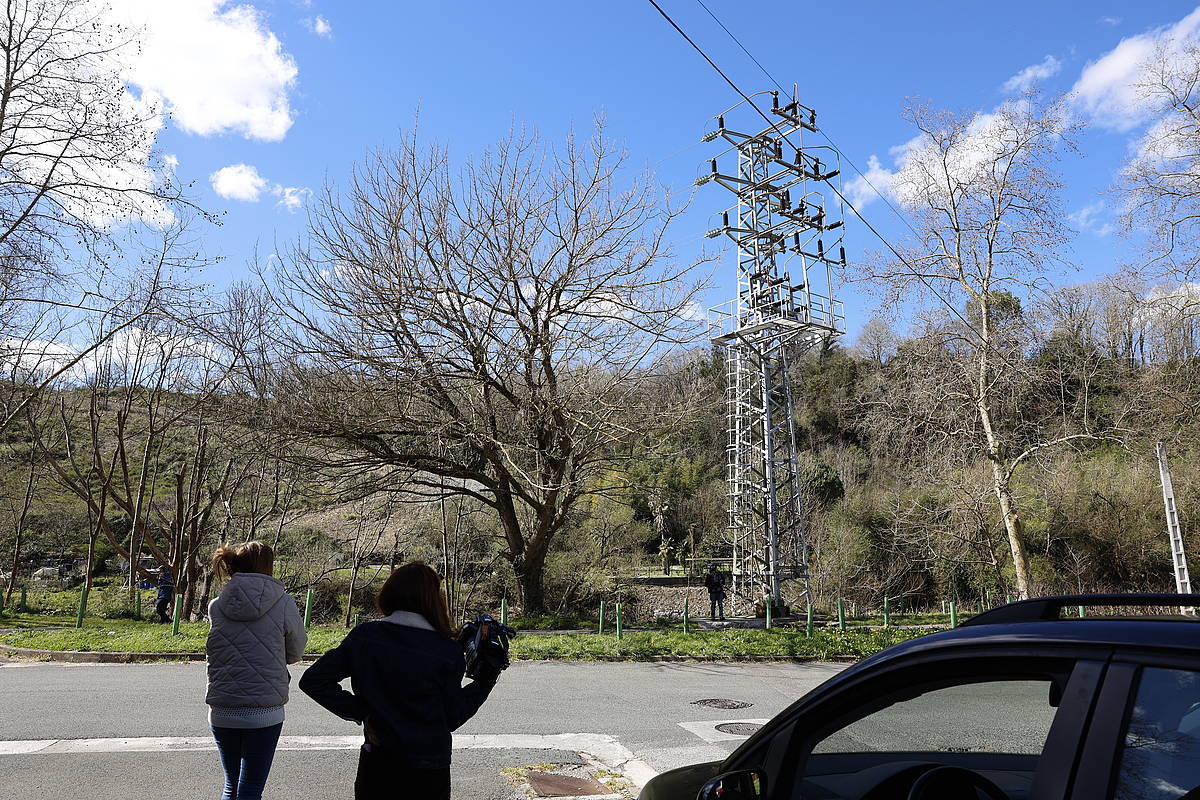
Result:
x=786 y=235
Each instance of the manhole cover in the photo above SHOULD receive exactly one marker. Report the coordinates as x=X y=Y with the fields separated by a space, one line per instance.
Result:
x=718 y=702
x=548 y=784
x=739 y=728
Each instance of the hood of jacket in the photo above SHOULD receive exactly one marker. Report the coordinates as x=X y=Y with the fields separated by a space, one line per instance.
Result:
x=249 y=596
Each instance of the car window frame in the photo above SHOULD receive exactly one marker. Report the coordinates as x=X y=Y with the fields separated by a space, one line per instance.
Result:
x=1084 y=672
x=1100 y=761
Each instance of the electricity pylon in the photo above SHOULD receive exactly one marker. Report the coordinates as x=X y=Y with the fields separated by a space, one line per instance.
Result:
x=786 y=234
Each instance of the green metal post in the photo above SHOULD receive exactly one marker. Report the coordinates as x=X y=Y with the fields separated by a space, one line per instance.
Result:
x=980 y=606
x=1082 y=612
x=988 y=594
x=178 y=613
x=137 y=604
x=619 y=627
x=83 y=593
x=887 y=612
x=841 y=608
x=943 y=606
x=685 y=614
x=504 y=611
x=601 y=631
x=1 y=602
x=24 y=604
x=1008 y=598
x=953 y=615
x=767 y=608
x=308 y=601
x=357 y=619
x=808 y=621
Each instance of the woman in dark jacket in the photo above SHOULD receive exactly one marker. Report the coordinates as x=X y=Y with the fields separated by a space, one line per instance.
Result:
x=406 y=673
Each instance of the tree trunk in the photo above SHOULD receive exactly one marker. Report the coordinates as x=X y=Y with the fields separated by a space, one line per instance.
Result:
x=20 y=532
x=1013 y=527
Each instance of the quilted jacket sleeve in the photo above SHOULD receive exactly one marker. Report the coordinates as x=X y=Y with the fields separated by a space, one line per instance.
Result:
x=294 y=635
x=322 y=682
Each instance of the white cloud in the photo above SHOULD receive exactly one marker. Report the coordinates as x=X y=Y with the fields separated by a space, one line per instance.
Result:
x=320 y=26
x=1113 y=21
x=243 y=182
x=238 y=182
x=1107 y=90
x=865 y=188
x=214 y=65
x=1047 y=68
x=291 y=198
x=1093 y=218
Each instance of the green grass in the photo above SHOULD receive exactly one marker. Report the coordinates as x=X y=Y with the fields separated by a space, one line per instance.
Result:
x=107 y=635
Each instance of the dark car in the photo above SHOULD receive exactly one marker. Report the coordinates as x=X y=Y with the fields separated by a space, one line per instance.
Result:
x=1018 y=703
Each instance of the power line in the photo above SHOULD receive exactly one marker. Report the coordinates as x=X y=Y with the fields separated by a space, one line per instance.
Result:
x=835 y=190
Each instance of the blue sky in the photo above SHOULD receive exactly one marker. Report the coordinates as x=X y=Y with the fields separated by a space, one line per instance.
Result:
x=309 y=87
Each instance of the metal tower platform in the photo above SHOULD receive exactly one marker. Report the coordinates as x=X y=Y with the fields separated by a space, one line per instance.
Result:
x=786 y=234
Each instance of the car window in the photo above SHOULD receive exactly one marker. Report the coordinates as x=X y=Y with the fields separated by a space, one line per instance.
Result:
x=991 y=717
x=1160 y=758
x=994 y=727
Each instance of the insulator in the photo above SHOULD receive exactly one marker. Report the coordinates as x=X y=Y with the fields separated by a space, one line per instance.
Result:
x=795 y=240
x=787 y=199
x=802 y=209
x=721 y=123
x=714 y=166
x=812 y=117
x=820 y=248
x=775 y=101
x=816 y=168
x=725 y=218
x=842 y=255
x=798 y=157
x=779 y=150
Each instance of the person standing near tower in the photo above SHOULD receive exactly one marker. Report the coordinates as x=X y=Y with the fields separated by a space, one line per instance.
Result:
x=715 y=584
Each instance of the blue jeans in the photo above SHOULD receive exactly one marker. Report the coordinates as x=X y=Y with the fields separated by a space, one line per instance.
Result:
x=246 y=755
x=717 y=605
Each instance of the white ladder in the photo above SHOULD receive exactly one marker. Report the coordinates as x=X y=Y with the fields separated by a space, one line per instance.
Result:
x=1183 y=583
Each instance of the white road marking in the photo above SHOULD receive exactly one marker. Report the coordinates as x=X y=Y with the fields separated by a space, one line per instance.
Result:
x=707 y=730
x=605 y=749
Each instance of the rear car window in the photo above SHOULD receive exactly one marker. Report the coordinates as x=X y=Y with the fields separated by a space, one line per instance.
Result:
x=1160 y=758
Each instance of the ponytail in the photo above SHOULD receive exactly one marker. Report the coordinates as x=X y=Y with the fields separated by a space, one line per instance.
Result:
x=228 y=560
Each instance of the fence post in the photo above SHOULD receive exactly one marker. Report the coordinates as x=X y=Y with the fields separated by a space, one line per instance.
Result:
x=953 y=615
x=308 y=603
x=1082 y=612
x=841 y=609
x=943 y=606
x=685 y=614
x=887 y=612
x=83 y=593
x=1 y=602
x=980 y=606
x=601 y=631
x=1008 y=598
x=178 y=613
x=808 y=621
x=357 y=619
x=767 y=609
x=619 y=630
x=987 y=593
x=137 y=603
x=24 y=604
x=503 y=610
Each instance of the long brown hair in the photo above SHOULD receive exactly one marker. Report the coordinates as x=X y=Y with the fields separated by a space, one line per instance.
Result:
x=228 y=560
x=416 y=587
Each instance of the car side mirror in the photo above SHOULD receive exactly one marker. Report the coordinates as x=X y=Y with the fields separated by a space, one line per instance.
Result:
x=745 y=784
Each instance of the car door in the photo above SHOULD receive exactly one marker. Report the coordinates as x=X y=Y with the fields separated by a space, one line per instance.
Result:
x=1144 y=740
x=1014 y=719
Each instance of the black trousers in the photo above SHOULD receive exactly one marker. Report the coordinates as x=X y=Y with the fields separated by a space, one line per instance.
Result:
x=381 y=778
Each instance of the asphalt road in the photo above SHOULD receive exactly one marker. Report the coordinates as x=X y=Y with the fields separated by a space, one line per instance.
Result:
x=640 y=706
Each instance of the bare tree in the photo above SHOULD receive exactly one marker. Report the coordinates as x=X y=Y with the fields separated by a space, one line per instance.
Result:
x=498 y=332
x=987 y=218
x=1160 y=185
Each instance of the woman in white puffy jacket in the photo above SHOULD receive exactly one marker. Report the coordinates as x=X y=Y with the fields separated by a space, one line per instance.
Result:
x=256 y=632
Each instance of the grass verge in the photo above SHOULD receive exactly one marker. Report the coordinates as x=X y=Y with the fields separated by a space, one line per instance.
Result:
x=109 y=635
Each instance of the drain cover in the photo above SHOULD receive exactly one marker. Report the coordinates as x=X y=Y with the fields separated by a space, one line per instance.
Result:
x=718 y=702
x=547 y=784
x=739 y=728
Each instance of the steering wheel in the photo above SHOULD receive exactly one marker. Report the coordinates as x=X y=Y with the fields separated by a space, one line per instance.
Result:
x=953 y=783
